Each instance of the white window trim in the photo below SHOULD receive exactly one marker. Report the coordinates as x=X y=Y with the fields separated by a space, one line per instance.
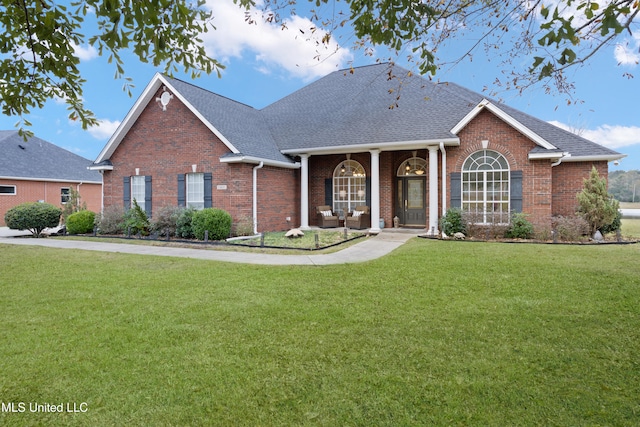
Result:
x=15 y=190
x=134 y=194
x=197 y=203
x=349 y=187
x=484 y=200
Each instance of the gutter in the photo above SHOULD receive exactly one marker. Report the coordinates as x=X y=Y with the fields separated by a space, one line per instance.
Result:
x=255 y=197
x=383 y=146
x=259 y=161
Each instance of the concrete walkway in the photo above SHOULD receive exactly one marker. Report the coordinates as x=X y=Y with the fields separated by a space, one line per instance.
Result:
x=370 y=248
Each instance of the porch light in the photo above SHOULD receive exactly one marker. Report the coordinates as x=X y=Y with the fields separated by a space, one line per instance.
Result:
x=343 y=169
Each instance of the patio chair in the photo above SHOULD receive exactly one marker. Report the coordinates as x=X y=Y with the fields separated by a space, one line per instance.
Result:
x=326 y=217
x=359 y=218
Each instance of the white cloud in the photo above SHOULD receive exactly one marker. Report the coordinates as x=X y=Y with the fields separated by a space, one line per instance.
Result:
x=104 y=129
x=85 y=53
x=296 y=49
x=612 y=136
x=628 y=52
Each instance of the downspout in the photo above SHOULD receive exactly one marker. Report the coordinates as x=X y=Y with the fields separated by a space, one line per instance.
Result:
x=444 y=179
x=255 y=197
x=554 y=164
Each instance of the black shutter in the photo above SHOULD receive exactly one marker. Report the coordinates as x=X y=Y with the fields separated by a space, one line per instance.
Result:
x=147 y=195
x=367 y=187
x=516 y=191
x=328 y=192
x=208 y=179
x=126 y=192
x=182 y=188
x=456 y=190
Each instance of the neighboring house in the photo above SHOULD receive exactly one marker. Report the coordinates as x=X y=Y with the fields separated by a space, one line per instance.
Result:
x=38 y=171
x=375 y=136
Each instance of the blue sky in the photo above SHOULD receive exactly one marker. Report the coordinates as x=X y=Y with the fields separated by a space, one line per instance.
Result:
x=265 y=63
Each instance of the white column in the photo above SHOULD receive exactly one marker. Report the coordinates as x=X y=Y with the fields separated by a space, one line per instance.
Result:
x=433 y=191
x=304 y=192
x=375 y=191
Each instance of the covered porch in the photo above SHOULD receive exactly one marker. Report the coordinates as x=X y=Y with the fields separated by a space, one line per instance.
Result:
x=406 y=183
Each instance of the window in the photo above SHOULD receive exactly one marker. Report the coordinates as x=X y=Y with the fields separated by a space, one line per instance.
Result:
x=349 y=187
x=8 y=190
x=485 y=187
x=414 y=166
x=195 y=190
x=65 y=195
x=138 y=191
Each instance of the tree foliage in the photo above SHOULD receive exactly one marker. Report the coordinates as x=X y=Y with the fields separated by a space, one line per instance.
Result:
x=595 y=205
x=39 y=45
x=553 y=34
x=625 y=185
x=33 y=216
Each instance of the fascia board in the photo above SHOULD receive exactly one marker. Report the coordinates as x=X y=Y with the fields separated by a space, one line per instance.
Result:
x=608 y=158
x=384 y=146
x=257 y=160
x=147 y=95
x=548 y=156
x=67 y=181
x=130 y=118
x=504 y=117
x=100 y=168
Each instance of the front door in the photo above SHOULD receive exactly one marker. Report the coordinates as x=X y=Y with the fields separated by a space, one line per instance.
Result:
x=411 y=203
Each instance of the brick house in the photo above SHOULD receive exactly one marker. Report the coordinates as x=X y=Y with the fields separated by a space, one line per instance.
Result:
x=36 y=170
x=374 y=135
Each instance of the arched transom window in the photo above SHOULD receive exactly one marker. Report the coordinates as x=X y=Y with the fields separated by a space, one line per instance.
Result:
x=414 y=166
x=349 y=187
x=485 y=187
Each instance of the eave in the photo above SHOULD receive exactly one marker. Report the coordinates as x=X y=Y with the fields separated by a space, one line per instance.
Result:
x=383 y=146
x=239 y=158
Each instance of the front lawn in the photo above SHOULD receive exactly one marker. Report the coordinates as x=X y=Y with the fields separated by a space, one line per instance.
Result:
x=437 y=333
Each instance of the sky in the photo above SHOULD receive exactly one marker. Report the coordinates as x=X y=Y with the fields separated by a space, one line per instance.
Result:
x=265 y=63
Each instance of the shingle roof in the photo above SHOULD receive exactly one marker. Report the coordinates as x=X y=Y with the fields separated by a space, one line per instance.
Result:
x=244 y=126
x=39 y=159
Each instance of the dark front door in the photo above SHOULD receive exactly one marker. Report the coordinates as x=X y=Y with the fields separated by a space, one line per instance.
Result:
x=411 y=203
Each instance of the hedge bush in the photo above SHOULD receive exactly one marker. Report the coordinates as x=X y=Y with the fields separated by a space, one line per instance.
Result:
x=183 y=224
x=452 y=222
x=520 y=227
x=112 y=220
x=34 y=217
x=216 y=221
x=165 y=220
x=81 y=222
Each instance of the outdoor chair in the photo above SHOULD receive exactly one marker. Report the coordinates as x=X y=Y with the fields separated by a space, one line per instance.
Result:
x=359 y=218
x=326 y=217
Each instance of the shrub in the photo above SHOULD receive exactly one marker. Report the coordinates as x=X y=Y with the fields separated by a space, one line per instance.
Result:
x=136 y=220
x=595 y=204
x=614 y=226
x=165 y=220
x=244 y=226
x=570 y=228
x=34 y=217
x=111 y=220
x=216 y=221
x=520 y=227
x=183 y=224
x=452 y=222
x=73 y=205
x=81 y=222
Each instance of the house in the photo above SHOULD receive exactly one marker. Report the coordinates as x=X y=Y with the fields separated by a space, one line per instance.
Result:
x=36 y=170
x=375 y=135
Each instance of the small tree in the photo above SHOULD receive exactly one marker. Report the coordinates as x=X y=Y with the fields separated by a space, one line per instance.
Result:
x=595 y=204
x=136 y=220
x=34 y=217
x=73 y=205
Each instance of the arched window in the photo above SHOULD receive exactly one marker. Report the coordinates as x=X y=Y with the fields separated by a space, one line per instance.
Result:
x=415 y=166
x=485 y=187
x=349 y=187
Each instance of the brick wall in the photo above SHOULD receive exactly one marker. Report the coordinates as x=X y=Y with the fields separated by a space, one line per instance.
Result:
x=164 y=144
x=50 y=192
x=568 y=181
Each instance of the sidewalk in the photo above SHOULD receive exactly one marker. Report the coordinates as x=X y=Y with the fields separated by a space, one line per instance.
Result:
x=370 y=248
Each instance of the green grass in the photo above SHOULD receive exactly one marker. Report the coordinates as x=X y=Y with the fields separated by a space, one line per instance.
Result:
x=630 y=227
x=437 y=333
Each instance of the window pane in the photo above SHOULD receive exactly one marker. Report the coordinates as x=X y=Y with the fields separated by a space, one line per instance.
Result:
x=137 y=191
x=195 y=190
x=7 y=189
x=485 y=184
x=64 y=195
